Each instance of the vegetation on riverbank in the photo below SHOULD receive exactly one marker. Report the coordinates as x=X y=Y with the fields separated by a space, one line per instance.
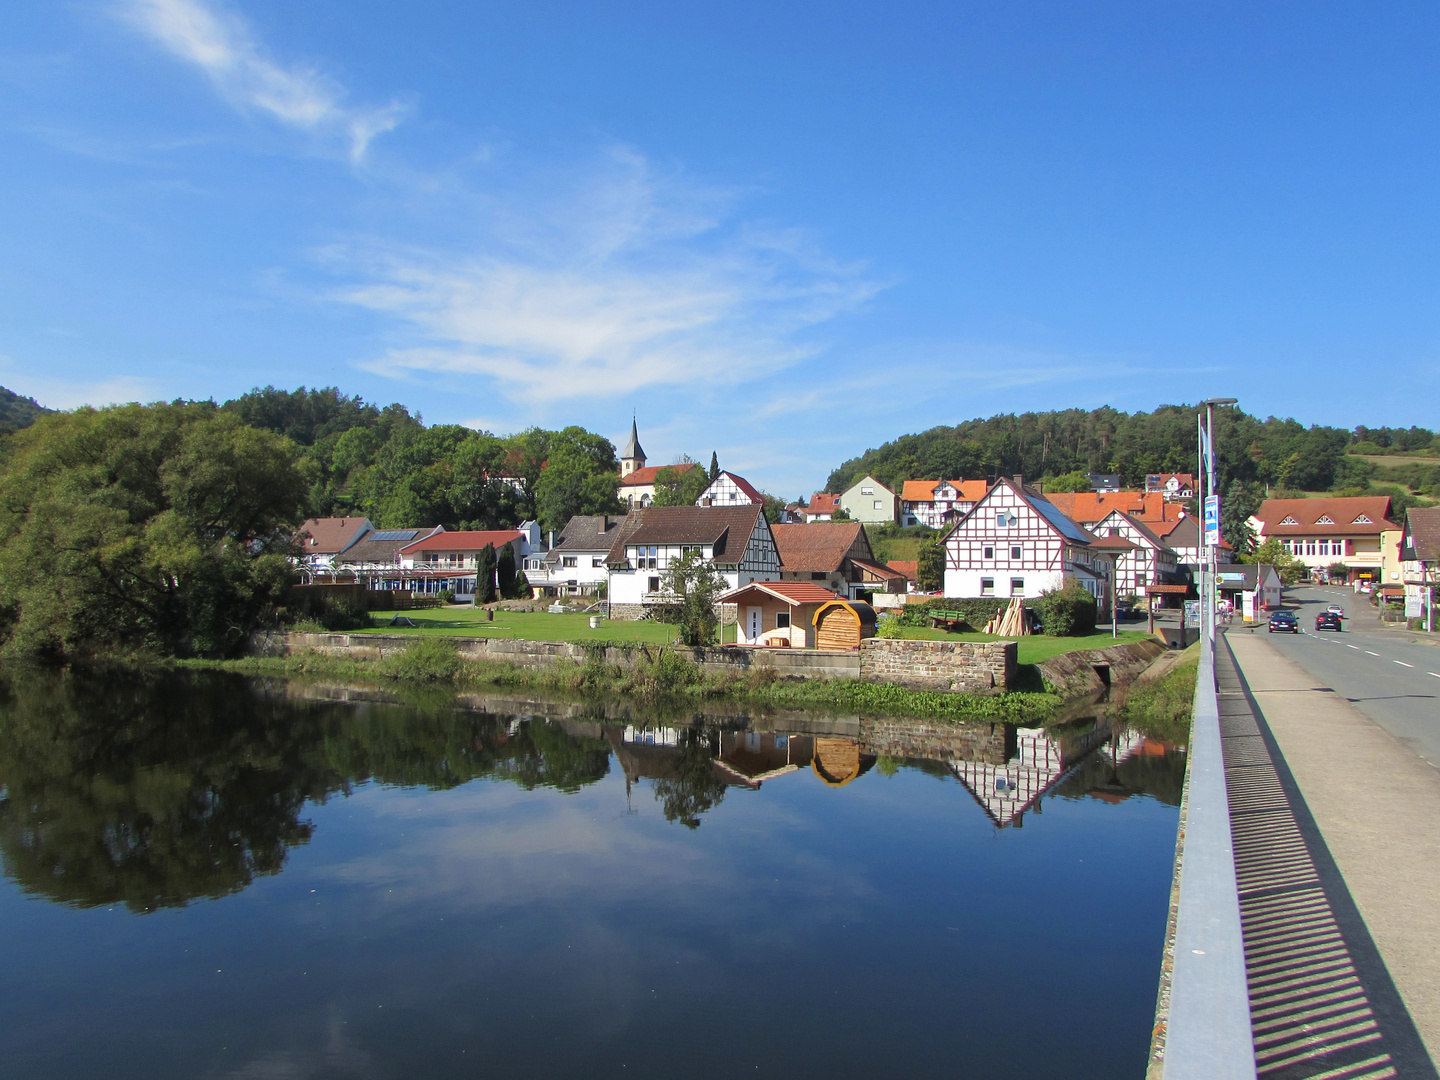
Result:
x=1162 y=707
x=658 y=675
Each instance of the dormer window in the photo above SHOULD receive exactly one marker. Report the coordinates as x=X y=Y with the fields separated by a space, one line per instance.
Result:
x=1324 y=519
x=1363 y=519
x=1289 y=521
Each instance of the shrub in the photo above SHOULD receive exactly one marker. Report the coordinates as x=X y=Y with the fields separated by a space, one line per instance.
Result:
x=446 y=596
x=425 y=659
x=976 y=611
x=1067 y=612
x=890 y=626
x=661 y=672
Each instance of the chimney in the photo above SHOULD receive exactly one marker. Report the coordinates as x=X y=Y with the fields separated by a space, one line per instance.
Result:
x=552 y=538
x=1019 y=480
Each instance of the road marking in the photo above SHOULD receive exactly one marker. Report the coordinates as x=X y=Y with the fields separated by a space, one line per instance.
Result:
x=1349 y=646
x=1432 y=673
x=1369 y=653
x=1401 y=663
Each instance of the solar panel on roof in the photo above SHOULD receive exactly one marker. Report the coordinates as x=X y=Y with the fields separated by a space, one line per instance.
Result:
x=394 y=534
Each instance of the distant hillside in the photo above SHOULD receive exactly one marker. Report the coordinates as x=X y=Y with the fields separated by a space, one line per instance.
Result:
x=18 y=412
x=1281 y=453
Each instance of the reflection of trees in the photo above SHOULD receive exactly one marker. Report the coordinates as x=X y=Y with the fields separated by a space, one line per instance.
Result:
x=693 y=788
x=153 y=791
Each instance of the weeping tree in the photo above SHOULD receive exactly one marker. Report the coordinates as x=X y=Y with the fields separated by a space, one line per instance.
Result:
x=485 y=574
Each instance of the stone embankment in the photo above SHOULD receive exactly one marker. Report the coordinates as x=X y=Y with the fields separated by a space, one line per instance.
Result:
x=969 y=667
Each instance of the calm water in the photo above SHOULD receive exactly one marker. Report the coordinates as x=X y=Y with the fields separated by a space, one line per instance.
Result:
x=206 y=877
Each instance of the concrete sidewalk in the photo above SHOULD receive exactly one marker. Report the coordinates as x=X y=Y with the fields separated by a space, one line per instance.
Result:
x=1376 y=806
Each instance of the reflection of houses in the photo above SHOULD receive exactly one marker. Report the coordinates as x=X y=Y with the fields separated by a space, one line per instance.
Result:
x=752 y=757
x=1040 y=762
x=838 y=761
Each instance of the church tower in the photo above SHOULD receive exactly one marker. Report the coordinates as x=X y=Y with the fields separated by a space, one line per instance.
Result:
x=632 y=457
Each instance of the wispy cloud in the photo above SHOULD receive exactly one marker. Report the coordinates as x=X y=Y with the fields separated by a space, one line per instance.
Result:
x=630 y=279
x=222 y=46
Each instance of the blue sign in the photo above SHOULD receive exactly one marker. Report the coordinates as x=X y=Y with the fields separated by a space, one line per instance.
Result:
x=1212 y=520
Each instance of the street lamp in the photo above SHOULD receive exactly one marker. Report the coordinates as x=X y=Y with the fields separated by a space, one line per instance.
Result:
x=1209 y=506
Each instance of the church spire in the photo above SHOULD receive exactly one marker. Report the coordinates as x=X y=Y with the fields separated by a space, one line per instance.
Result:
x=633 y=456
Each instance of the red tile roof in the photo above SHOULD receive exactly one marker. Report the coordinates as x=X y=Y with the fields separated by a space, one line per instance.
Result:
x=1424 y=532
x=1089 y=507
x=1341 y=511
x=795 y=592
x=745 y=486
x=331 y=535
x=822 y=502
x=909 y=567
x=727 y=529
x=465 y=541
x=817 y=547
x=924 y=490
x=646 y=476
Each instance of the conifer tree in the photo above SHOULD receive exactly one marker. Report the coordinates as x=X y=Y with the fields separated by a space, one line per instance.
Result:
x=485 y=575
x=714 y=466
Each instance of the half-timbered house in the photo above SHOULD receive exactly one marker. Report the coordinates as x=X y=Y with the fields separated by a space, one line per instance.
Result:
x=1015 y=543
x=727 y=489
x=735 y=540
x=1150 y=562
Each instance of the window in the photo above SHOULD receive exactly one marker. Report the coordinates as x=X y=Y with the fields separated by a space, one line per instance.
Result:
x=989 y=553
x=1017 y=586
x=817 y=575
x=782 y=620
x=1002 y=520
x=645 y=558
x=1324 y=519
x=987 y=586
x=597 y=562
x=1014 y=551
x=654 y=584
x=569 y=561
x=867 y=491
x=877 y=504
x=1289 y=521
x=1363 y=519
x=1310 y=547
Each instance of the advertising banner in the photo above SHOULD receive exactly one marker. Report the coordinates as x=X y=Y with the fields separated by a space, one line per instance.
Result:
x=1212 y=520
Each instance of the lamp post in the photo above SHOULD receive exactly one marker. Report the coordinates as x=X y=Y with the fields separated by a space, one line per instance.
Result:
x=1209 y=509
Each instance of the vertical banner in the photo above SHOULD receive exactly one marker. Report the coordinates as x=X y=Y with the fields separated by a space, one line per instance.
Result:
x=1212 y=520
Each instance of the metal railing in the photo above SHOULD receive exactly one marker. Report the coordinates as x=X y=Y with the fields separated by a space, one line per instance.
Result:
x=1208 y=1034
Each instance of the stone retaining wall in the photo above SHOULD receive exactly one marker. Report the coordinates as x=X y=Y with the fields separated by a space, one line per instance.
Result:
x=1074 y=674
x=968 y=667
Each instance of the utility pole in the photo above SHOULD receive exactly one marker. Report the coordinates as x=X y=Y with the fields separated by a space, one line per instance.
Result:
x=1210 y=512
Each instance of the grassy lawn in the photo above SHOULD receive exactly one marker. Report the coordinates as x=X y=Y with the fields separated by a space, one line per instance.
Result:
x=1035 y=647
x=527 y=625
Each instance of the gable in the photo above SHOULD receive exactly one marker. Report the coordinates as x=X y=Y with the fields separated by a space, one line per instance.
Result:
x=1324 y=519
x=1363 y=519
x=1289 y=521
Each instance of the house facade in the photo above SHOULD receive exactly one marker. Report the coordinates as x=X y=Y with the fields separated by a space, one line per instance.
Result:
x=834 y=555
x=637 y=487
x=777 y=612
x=727 y=489
x=575 y=564
x=869 y=501
x=322 y=540
x=1175 y=487
x=1150 y=562
x=447 y=560
x=1014 y=543
x=1319 y=532
x=735 y=541
x=936 y=503
x=823 y=505
x=1420 y=562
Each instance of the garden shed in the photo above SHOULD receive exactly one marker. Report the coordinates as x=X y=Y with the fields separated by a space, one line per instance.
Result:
x=843 y=624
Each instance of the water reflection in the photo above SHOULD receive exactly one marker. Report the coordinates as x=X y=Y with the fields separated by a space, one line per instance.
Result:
x=155 y=791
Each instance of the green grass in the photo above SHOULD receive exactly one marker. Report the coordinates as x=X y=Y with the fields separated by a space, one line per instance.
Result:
x=1034 y=648
x=526 y=625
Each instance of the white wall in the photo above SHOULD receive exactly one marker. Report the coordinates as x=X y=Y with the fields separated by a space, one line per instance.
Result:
x=966 y=583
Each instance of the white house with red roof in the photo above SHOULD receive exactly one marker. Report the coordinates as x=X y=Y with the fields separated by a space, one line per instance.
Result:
x=1175 y=487
x=727 y=489
x=822 y=507
x=1015 y=543
x=446 y=559
x=1151 y=561
x=1352 y=530
x=937 y=502
x=777 y=612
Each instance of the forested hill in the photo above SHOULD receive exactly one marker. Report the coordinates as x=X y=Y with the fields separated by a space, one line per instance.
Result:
x=18 y=412
x=1280 y=453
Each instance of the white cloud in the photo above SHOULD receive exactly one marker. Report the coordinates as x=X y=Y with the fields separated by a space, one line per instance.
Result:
x=222 y=46
x=630 y=279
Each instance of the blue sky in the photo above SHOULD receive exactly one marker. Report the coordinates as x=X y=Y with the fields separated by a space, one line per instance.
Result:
x=783 y=232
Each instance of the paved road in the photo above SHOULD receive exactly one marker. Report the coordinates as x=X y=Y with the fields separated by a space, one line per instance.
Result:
x=1394 y=681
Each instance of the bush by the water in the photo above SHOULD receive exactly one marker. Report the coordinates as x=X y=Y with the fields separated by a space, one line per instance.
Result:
x=426 y=659
x=1067 y=612
x=1162 y=707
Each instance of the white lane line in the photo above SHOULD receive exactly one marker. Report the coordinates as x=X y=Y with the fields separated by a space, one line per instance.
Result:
x=1369 y=653
x=1432 y=673
x=1349 y=646
x=1401 y=663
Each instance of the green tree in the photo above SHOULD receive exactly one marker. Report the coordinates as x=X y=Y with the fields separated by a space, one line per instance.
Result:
x=930 y=567
x=840 y=514
x=1240 y=502
x=162 y=527
x=696 y=586
x=1071 y=481
x=581 y=476
x=680 y=484
x=714 y=466
x=1273 y=553
x=485 y=567
x=505 y=579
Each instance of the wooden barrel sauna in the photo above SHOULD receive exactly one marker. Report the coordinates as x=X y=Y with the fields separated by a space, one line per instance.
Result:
x=843 y=624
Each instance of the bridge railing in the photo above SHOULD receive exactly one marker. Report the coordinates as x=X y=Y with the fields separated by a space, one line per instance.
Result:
x=1208 y=1034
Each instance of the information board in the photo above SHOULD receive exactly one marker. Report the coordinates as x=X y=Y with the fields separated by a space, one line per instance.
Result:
x=1212 y=520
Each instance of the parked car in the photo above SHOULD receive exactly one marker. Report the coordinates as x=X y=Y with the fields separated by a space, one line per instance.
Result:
x=1284 y=622
x=1328 y=620
x=1336 y=609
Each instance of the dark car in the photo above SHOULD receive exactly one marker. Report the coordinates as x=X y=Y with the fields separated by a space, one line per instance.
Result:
x=1328 y=620
x=1283 y=621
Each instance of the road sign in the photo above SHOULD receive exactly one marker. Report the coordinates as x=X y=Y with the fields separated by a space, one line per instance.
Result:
x=1192 y=612
x=1212 y=520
